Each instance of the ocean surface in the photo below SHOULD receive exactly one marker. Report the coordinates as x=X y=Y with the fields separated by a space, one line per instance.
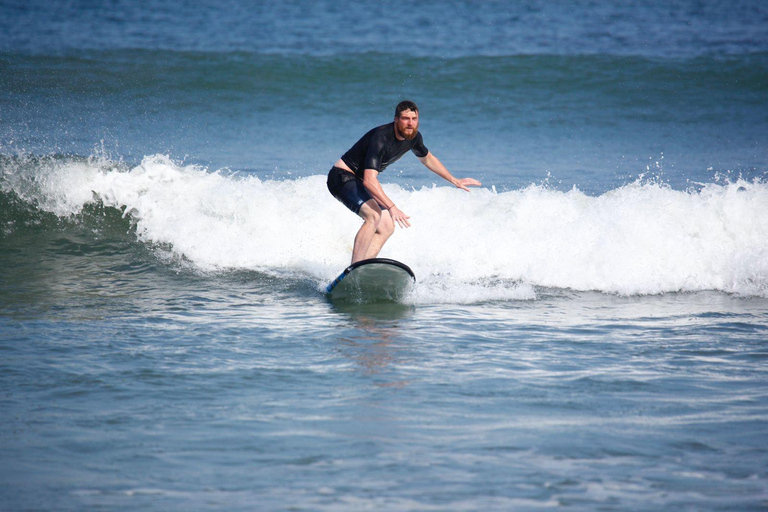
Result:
x=589 y=329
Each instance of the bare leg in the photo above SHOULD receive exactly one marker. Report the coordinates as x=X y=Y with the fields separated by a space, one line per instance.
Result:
x=384 y=230
x=371 y=214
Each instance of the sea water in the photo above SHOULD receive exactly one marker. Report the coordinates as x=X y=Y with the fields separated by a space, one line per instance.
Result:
x=588 y=328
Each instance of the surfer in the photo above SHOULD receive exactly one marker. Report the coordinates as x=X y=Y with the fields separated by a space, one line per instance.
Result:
x=354 y=178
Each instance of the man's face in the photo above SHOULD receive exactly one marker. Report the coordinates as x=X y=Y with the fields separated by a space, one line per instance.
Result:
x=407 y=124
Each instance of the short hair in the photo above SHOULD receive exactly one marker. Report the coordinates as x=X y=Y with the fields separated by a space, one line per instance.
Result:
x=405 y=105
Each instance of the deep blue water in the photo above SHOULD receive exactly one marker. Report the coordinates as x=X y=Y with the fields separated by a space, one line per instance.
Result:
x=588 y=329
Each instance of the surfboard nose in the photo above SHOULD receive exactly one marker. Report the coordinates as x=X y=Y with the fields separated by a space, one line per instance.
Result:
x=372 y=280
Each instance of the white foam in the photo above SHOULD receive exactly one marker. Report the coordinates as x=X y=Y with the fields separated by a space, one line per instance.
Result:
x=643 y=238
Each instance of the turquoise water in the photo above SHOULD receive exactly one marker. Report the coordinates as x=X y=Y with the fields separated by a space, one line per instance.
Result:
x=588 y=329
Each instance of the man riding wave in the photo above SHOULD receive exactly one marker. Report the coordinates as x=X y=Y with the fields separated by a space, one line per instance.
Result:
x=354 y=178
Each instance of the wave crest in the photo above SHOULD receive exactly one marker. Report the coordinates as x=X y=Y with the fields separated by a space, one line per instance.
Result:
x=642 y=238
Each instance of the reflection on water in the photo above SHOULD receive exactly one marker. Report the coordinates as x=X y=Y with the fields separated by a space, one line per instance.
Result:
x=373 y=312
x=375 y=342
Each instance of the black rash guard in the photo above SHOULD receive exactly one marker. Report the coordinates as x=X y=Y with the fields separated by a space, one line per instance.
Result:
x=379 y=147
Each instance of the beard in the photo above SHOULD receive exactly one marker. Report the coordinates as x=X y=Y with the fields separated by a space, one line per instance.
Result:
x=408 y=135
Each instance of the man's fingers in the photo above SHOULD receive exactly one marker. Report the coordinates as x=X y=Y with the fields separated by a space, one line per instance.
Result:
x=468 y=182
x=403 y=221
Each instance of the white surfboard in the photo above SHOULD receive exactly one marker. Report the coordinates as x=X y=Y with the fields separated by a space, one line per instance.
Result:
x=373 y=280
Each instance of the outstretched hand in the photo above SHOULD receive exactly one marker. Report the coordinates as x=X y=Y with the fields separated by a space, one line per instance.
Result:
x=467 y=182
x=400 y=217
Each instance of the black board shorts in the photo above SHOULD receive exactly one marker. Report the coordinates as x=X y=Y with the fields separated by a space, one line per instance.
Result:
x=347 y=188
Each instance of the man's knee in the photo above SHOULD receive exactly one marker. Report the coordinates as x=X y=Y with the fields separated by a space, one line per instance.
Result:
x=386 y=225
x=370 y=212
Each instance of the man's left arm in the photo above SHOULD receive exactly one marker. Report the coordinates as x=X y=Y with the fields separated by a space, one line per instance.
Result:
x=436 y=166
